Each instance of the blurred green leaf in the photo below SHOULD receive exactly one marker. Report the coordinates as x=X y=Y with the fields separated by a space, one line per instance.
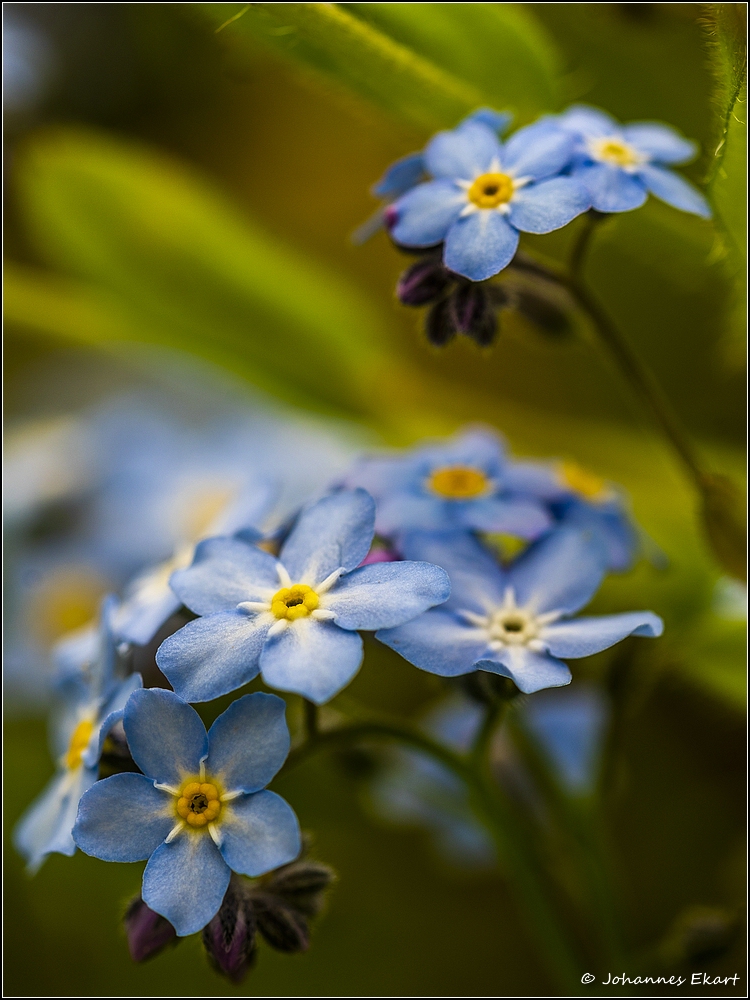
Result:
x=178 y=266
x=725 y=28
x=428 y=64
x=499 y=47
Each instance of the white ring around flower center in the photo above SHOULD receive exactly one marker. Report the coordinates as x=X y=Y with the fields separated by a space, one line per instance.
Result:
x=510 y=625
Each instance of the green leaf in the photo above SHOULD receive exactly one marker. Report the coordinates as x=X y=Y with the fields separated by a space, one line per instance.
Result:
x=427 y=64
x=500 y=48
x=725 y=27
x=365 y=60
x=174 y=263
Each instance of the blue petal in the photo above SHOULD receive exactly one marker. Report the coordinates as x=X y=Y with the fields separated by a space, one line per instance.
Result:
x=589 y=122
x=406 y=512
x=477 y=581
x=539 y=150
x=46 y=826
x=387 y=594
x=214 y=655
x=259 y=832
x=400 y=176
x=148 y=603
x=335 y=532
x=529 y=671
x=166 y=737
x=611 y=189
x=478 y=448
x=498 y=121
x=660 y=142
x=316 y=659
x=112 y=712
x=225 y=571
x=541 y=208
x=562 y=572
x=425 y=214
x=463 y=153
x=585 y=636
x=124 y=818
x=512 y=516
x=674 y=190
x=481 y=244
x=539 y=479
x=185 y=881
x=249 y=742
x=438 y=642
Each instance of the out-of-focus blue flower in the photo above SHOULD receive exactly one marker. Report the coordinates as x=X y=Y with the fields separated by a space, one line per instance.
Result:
x=409 y=170
x=295 y=618
x=621 y=164
x=198 y=811
x=484 y=192
x=447 y=487
x=570 y=725
x=577 y=498
x=417 y=789
x=513 y=622
x=93 y=700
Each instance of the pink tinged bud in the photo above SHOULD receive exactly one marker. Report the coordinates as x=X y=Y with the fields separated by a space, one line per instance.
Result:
x=147 y=932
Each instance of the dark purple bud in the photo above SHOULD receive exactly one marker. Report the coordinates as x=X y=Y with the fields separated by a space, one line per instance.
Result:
x=390 y=217
x=543 y=312
x=473 y=313
x=283 y=926
x=301 y=884
x=423 y=282
x=229 y=939
x=147 y=932
x=439 y=324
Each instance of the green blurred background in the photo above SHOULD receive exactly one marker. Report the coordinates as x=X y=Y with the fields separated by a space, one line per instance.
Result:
x=173 y=192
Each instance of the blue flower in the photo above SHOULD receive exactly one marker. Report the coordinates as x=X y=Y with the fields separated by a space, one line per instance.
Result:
x=620 y=164
x=93 y=701
x=446 y=487
x=295 y=618
x=580 y=499
x=570 y=726
x=483 y=193
x=198 y=811
x=417 y=789
x=513 y=622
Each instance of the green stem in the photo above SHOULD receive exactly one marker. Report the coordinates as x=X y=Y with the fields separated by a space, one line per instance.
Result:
x=522 y=866
x=636 y=372
x=493 y=715
x=581 y=820
x=311 y=719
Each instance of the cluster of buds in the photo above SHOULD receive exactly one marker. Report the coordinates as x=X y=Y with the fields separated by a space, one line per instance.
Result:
x=457 y=305
x=277 y=906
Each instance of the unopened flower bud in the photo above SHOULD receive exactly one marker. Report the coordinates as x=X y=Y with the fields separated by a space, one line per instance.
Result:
x=423 y=282
x=439 y=324
x=543 y=312
x=147 y=932
x=473 y=313
x=230 y=939
x=283 y=926
x=301 y=884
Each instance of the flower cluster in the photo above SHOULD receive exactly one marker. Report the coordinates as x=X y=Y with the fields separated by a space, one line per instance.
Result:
x=463 y=203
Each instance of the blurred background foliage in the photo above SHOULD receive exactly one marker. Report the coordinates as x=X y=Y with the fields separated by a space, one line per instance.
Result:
x=179 y=187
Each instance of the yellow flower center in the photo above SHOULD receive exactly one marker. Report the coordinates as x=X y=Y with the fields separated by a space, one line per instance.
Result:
x=615 y=152
x=491 y=190
x=199 y=803
x=582 y=481
x=78 y=743
x=294 y=602
x=458 y=482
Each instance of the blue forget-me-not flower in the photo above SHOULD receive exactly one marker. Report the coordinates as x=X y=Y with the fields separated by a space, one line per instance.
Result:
x=462 y=484
x=92 y=702
x=295 y=617
x=514 y=622
x=484 y=192
x=621 y=164
x=199 y=810
x=576 y=497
